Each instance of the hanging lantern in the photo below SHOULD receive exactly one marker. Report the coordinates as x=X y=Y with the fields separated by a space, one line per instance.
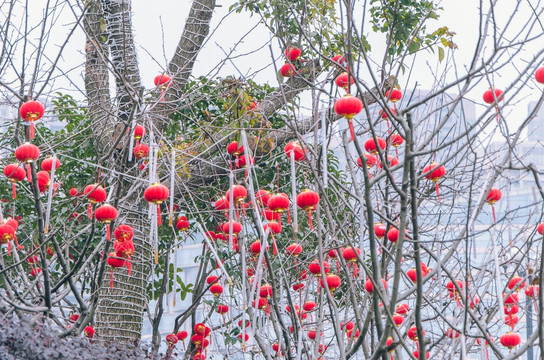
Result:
x=511 y=299
x=348 y=106
x=307 y=200
x=239 y=194
x=14 y=173
x=539 y=75
x=123 y=233
x=370 y=287
x=7 y=234
x=297 y=150
x=114 y=262
x=492 y=95
x=532 y=291
x=244 y=160
x=262 y=197
x=163 y=81
x=493 y=196
x=236 y=227
x=350 y=255
x=182 y=224
x=279 y=203
x=172 y=340
x=309 y=305
x=88 y=332
x=511 y=320
x=261 y=304
x=402 y=309
x=182 y=335
x=47 y=164
x=371 y=160
x=333 y=282
x=294 y=249
x=288 y=70
x=383 y=114
x=106 y=214
x=292 y=53
x=156 y=193
x=393 y=234
x=416 y=354
x=139 y=132
x=96 y=194
x=398 y=319
x=412 y=333
x=27 y=153
x=393 y=95
x=31 y=111
x=315 y=267
x=516 y=283
x=274 y=226
x=344 y=81
x=371 y=147
x=510 y=340
x=216 y=289
x=435 y=172
x=234 y=150
x=340 y=60
x=221 y=204
x=396 y=140
x=265 y=291
x=141 y=151
x=44 y=180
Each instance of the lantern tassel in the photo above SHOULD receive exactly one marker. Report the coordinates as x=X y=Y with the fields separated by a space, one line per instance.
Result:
x=493 y=210
x=310 y=219
x=89 y=211
x=437 y=191
x=19 y=247
x=32 y=130
x=111 y=278
x=28 y=173
x=355 y=271
x=351 y=130
x=108 y=236
x=159 y=218
x=274 y=246
x=13 y=191
x=288 y=217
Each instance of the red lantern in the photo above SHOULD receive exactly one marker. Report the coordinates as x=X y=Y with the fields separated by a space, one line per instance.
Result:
x=47 y=164
x=27 y=153
x=182 y=335
x=344 y=81
x=96 y=194
x=221 y=204
x=511 y=320
x=255 y=247
x=297 y=150
x=340 y=60
x=380 y=230
x=393 y=95
x=516 y=283
x=398 y=319
x=139 y=132
x=412 y=275
x=7 y=233
x=156 y=193
x=393 y=234
x=402 y=309
x=294 y=249
x=106 y=214
x=123 y=233
x=171 y=339
x=265 y=291
x=315 y=267
x=114 y=262
x=333 y=282
x=262 y=197
x=88 y=332
x=435 y=172
x=370 y=145
x=236 y=227
x=370 y=287
x=141 y=151
x=416 y=354
x=511 y=299
x=244 y=160
x=162 y=80
x=412 y=333
x=239 y=194
x=44 y=180
x=348 y=106
x=309 y=305
x=396 y=140
x=216 y=289
x=222 y=309
x=234 y=150
x=491 y=95
x=182 y=224
x=31 y=111
x=307 y=200
x=211 y=279
x=532 y=291
x=14 y=173
x=288 y=70
x=125 y=249
x=274 y=226
x=278 y=202
x=199 y=329
x=493 y=196
x=383 y=114
x=371 y=160
x=539 y=75
x=510 y=340
x=292 y=53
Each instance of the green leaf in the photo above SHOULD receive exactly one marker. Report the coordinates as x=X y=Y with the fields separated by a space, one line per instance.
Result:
x=414 y=46
x=444 y=42
x=440 y=54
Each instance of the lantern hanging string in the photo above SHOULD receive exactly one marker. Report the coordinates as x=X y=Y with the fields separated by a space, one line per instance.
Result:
x=50 y=194
x=172 y=179
x=294 y=190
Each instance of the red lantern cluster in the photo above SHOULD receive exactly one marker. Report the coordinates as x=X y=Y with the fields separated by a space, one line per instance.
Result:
x=293 y=55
